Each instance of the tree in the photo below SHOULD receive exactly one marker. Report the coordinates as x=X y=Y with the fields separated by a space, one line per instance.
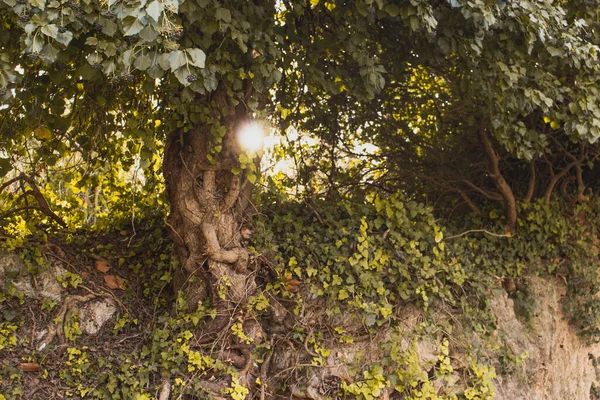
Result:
x=438 y=87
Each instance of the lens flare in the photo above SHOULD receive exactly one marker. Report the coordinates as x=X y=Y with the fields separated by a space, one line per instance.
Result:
x=251 y=136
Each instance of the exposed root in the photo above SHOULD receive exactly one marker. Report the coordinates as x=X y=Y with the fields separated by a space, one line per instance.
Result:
x=57 y=328
x=264 y=369
x=165 y=391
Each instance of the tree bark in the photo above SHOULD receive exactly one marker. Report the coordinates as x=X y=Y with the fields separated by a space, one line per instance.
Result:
x=207 y=214
x=531 y=186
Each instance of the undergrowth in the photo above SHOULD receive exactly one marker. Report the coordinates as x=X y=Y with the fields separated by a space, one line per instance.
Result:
x=337 y=272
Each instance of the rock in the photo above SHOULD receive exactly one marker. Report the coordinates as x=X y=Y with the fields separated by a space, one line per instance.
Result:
x=11 y=266
x=13 y=270
x=95 y=313
x=558 y=365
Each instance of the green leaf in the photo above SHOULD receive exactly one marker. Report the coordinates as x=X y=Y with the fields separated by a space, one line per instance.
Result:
x=223 y=14
x=132 y=26
x=42 y=132
x=164 y=62
x=5 y=166
x=109 y=28
x=64 y=38
x=181 y=75
x=142 y=63
x=155 y=72
x=148 y=34
x=155 y=10
x=197 y=57
x=41 y=4
x=343 y=294
x=176 y=59
x=50 y=30
x=392 y=10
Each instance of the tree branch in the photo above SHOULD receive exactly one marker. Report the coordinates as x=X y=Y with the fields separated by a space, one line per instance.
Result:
x=488 y=195
x=564 y=171
x=510 y=204
x=469 y=202
x=531 y=187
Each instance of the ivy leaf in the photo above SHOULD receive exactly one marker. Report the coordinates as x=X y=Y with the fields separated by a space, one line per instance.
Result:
x=393 y=10
x=181 y=75
x=41 y=132
x=148 y=34
x=132 y=26
x=37 y=44
x=50 y=30
x=109 y=28
x=176 y=60
x=155 y=72
x=64 y=38
x=109 y=67
x=143 y=62
x=223 y=14
x=5 y=166
x=41 y=4
x=155 y=10
x=198 y=57
x=50 y=52
x=343 y=294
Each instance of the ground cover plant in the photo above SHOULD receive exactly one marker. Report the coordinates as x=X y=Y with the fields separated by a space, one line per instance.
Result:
x=426 y=154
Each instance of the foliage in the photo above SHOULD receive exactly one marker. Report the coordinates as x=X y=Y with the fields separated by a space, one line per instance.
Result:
x=400 y=148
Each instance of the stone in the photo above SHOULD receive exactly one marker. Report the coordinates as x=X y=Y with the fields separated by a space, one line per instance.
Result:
x=95 y=313
x=47 y=286
x=558 y=364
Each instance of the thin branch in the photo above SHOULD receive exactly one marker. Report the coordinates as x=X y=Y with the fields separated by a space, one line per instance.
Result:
x=488 y=195
x=469 y=202
x=563 y=172
x=507 y=235
x=39 y=197
x=10 y=182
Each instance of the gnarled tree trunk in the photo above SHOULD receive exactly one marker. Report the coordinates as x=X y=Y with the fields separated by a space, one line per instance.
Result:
x=208 y=205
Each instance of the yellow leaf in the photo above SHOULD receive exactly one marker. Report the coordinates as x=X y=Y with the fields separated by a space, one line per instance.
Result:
x=41 y=132
x=554 y=125
x=547 y=119
x=314 y=2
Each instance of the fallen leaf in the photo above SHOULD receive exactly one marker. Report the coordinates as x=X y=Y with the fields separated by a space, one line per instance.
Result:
x=291 y=285
x=84 y=275
x=102 y=265
x=29 y=367
x=246 y=233
x=114 y=282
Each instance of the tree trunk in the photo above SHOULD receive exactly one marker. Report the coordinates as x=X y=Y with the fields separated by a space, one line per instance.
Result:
x=207 y=214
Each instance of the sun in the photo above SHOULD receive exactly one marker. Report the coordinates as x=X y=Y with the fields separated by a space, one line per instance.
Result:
x=251 y=136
